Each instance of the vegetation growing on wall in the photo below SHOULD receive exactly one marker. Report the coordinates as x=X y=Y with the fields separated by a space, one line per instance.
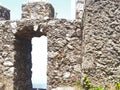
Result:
x=85 y=84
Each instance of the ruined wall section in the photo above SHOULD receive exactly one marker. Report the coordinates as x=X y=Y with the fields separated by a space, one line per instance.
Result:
x=4 y=13
x=15 y=58
x=6 y=56
x=15 y=54
x=64 y=52
x=94 y=51
x=37 y=10
x=101 y=60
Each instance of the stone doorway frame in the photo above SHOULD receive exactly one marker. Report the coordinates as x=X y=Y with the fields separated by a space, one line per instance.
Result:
x=23 y=63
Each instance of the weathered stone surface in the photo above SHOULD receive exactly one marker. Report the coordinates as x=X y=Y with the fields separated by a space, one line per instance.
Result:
x=63 y=54
x=8 y=63
x=37 y=10
x=101 y=41
x=74 y=48
x=64 y=88
x=1 y=86
x=80 y=8
x=4 y=13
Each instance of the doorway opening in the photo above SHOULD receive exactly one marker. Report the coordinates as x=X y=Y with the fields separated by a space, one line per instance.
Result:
x=39 y=62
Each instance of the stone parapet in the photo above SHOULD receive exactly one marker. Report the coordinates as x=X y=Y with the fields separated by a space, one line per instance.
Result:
x=64 y=52
x=4 y=13
x=37 y=10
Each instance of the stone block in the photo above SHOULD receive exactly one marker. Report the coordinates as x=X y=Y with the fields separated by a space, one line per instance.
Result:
x=4 y=13
x=37 y=10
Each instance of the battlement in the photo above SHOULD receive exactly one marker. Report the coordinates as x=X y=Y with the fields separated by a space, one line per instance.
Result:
x=37 y=10
x=4 y=13
x=75 y=48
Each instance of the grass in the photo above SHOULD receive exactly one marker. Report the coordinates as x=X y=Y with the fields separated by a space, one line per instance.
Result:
x=86 y=85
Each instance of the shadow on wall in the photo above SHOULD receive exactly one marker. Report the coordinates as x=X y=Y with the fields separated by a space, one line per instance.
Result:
x=23 y=63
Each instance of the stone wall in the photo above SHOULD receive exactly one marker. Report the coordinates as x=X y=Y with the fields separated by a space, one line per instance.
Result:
x=37 y=10
x=75 y=48
x=64 y=52
x=101 y=61
x=4 y=13
x=6 y=56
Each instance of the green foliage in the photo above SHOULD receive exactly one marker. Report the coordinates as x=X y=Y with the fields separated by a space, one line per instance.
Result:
x=86 y=83
x=117 y=84
x=99 y=88
x=77 y=82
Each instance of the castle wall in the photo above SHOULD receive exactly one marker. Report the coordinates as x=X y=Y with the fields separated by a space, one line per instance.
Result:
x=75 y=48
x=101 y=61
x=4 y=13
x=37 y=10
x=6 y=56
x=64 y=52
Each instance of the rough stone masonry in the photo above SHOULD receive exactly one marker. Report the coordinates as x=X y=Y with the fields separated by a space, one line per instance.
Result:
x=101 y=41
x=75 y=48
x=4 y=13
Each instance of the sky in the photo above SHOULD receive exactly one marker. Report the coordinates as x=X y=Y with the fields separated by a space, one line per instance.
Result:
x=62 y=7
x=39 y=59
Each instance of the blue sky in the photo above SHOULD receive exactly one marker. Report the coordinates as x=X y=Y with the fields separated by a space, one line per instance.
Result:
x=62 y=7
